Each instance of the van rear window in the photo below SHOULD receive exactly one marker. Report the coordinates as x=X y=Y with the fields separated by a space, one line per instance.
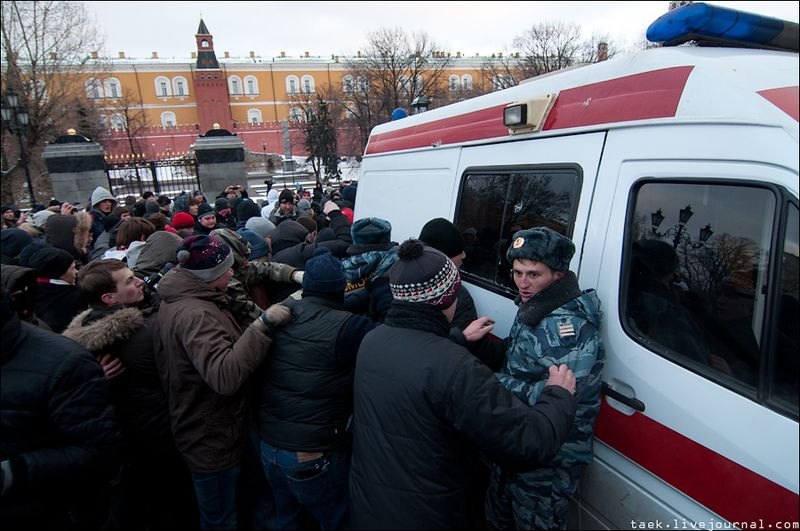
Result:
x=494 y=204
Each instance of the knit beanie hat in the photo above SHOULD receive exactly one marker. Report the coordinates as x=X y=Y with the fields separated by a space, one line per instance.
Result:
x=206 y=257
x=258 y=246
x=151 y=207
x=163 y=200
x=182 y=220
x=423 y=275
x=40 y=218
x=371 y=231
x=30 y=250
x=205 y=210
x=262 y=227
x=14 y=241
x=443 y=236
x=220 y=203
x=544 y=245
x=51 y=262
x=181 y=203
x=247 y=209
x=101 y=194
x=286 y=195
x=324 y=273
x=304 y=206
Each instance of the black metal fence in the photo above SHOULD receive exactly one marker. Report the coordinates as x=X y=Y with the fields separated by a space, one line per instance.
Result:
x=167 y=177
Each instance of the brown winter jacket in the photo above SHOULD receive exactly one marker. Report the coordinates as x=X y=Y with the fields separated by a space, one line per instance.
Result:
x=204 y=361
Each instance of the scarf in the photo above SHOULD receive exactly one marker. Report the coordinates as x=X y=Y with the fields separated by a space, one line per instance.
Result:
x=417 y=317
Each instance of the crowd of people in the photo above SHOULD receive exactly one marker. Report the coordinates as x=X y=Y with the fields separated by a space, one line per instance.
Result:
x=183 y=363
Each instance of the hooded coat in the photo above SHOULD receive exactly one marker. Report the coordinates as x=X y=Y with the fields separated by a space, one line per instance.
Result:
x=70 y=232
x=204 y=360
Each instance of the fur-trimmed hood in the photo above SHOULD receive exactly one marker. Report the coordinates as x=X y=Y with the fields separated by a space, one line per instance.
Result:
x=69 y=232
x=102 y=333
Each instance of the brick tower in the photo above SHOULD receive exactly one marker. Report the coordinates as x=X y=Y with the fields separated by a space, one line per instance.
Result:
x=210 y=85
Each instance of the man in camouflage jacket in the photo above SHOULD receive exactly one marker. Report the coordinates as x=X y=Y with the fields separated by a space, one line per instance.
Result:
x=558 y=324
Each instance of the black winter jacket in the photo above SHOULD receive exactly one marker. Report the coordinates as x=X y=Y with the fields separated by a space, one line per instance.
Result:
x=60 y=432
x=422 y=406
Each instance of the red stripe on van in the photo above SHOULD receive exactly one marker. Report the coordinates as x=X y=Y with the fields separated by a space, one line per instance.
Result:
x=723 y=486
x=786 y=99
x=642 y=96
x=653 y=94
x=486 y=123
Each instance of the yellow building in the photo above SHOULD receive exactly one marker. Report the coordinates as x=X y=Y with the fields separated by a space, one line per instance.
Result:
x=250 y=96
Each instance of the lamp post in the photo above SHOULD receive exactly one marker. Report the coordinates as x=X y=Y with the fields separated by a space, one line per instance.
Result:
x=15 y=119
x=678 y=232
x=420 y=104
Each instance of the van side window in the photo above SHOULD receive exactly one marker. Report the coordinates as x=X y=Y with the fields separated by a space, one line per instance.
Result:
x=494 y=204
x=696 y=289
x=784 y=386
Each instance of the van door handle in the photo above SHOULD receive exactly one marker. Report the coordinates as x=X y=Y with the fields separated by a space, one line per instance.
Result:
x=634 y=403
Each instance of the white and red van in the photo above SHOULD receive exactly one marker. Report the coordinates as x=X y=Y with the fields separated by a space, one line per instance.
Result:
x=675 y=172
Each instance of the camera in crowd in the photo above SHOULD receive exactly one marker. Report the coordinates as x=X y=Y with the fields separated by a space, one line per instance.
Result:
x=152 y=281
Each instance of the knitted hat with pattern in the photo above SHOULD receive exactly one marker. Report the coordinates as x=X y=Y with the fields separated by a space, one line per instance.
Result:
x=206 y=257
x=423 y=275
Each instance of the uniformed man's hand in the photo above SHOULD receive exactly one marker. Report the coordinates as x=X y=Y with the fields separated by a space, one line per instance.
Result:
x=562 y=376
x=478 y=328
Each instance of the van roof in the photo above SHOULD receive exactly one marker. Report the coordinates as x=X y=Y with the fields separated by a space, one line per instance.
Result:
x=660 y=85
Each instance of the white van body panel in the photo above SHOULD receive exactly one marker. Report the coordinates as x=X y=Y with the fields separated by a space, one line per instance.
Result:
x=727 y=126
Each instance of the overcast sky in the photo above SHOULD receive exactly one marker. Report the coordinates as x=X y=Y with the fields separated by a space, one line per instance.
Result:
x=341 y=28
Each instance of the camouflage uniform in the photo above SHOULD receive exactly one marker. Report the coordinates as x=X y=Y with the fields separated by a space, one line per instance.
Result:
x=566 y=335
x=244 y=310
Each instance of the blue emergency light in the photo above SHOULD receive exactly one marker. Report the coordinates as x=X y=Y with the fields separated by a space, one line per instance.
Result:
x=706 y=23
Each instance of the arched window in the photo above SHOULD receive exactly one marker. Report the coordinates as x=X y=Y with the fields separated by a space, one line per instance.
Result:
x=308 y=84
x=162 y=87
x=466 y=82
x=180 y=87
x=112 y=88
x=363 y=84
x=453 y=83
x=254 y=116
x=251 y=86
x=235 y=86
x=94 y=89
x=296 y=114
x=102 y=120
x=292 y=85
x=118 y=121
x=347 y=84
x=168 y=119
x=402 y=84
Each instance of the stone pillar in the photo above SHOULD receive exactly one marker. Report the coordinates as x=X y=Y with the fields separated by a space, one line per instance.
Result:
x=76 y=166
x=220 y=161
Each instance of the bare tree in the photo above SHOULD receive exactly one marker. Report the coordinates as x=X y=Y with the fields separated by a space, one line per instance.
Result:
x=545 y=47
x=393 y=71
x=45 y=52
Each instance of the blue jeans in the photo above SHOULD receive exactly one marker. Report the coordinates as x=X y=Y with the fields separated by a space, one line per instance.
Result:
x=216 y=498
x=320 y=485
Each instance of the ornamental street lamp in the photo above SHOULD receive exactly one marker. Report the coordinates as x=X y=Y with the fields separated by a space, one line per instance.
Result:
x=15 y=120
x=678 y=232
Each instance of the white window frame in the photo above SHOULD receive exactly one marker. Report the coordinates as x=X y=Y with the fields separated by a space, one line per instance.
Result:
x=307 y=85
x=296 y=114
x=466 y=82
x=163 y=85
x=168 y=116
x=454 y=83
x=251 y=86
x=254 y=116
x=235 y=86
x=292 y=85
x=118 y=121
x=175 y=84
x=112 y=88
x=348 y=86
x=94 y=88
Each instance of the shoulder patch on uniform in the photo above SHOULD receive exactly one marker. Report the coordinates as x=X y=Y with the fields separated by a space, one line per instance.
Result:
x=566 y=330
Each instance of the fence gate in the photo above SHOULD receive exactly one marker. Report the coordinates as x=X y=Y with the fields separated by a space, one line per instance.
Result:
x=162 y=177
